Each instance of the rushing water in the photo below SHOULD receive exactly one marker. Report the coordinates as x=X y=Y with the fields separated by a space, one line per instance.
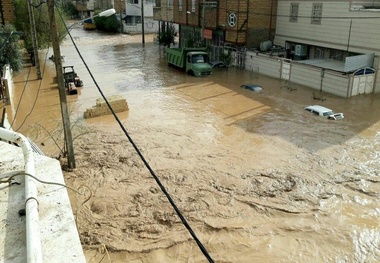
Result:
x=258 y=178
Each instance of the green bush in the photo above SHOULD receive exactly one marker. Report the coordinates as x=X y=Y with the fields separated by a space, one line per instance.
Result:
x=167 y=36
x=42 y=25
x=10 y=52
x=108 y=24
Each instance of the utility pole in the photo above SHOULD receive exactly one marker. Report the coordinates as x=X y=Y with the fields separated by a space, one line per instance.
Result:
x=203 y=19
x=121 y=20
x=142 y=21
x=61 y=86
x=34 y=39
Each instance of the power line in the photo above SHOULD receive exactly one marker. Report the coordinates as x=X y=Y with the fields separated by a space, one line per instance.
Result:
x=163 y=189
x=35 y=100
x=22 y=94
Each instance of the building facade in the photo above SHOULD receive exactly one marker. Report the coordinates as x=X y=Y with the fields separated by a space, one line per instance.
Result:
x=135 y=10
x=342 y=37
x=7 y=12
x=237 y=22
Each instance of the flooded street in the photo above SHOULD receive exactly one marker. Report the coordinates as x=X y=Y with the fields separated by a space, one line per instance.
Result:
x=258 y=178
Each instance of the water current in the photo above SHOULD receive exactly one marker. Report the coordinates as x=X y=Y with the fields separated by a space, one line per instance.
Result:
x=258 y=178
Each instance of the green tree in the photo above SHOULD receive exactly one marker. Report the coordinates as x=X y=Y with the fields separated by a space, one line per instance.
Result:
x=167 y=36
x=106 y=23
x=226 y=57
x=70 y=10
x=41 y=17
x=10 y=50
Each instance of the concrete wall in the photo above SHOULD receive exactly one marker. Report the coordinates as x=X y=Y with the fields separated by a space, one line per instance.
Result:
x=313 y=77
x=60 y=241
x=118 y=104
x=269 y=66
x=7 y=83
x=319 y=79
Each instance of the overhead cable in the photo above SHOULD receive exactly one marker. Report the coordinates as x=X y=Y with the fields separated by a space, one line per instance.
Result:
x=184 y=221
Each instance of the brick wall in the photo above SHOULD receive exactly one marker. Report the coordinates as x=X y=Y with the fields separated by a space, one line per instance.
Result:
x=8 y=11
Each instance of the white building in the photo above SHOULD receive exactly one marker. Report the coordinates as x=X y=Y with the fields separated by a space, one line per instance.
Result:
x=329 y=45
x=134 y=14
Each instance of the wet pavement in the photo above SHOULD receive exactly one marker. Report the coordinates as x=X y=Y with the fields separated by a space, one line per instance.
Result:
x=258 y=177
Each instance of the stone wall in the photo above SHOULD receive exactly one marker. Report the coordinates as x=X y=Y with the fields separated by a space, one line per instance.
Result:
x=118 y=104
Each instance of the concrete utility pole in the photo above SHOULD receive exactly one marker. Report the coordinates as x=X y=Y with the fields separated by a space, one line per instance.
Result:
x=34 y=39
x=203 y=19
x=142 y=21
x=61 y=86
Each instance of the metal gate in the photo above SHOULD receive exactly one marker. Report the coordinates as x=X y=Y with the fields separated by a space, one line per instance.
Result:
x=285 y=69
x=363 y=81
x=239 y=57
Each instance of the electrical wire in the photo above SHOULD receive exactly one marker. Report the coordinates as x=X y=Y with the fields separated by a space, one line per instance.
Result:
x=22 y=94
x=163 y=189
x=35 y=100
x=13 y=174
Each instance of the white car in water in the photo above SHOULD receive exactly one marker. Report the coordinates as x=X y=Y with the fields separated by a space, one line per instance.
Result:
x=323 y=111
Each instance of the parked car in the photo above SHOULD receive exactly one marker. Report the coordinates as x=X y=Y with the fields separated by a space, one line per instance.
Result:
x=252 y=87
x=218 y=64
x=325 y=112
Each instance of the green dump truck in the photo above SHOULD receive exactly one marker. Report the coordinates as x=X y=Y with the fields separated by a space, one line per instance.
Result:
x=195 y=61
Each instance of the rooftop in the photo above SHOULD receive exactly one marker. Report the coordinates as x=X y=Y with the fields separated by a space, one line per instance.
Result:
x=58 y=237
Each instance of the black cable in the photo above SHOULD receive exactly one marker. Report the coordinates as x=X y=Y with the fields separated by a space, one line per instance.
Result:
x=35 y=101
x=22 y=94
x=184 y=221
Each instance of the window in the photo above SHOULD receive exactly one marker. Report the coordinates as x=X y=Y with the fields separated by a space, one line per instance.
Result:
x=319 y=53
x=336 y=54
x=158 y=3
x=192 y=5
x=180 y=5
x=316 y=15
x=170 y=3
x=293 y=13
x=133 y=2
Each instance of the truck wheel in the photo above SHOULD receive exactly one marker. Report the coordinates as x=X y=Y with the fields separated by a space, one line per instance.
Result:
x=191 y=73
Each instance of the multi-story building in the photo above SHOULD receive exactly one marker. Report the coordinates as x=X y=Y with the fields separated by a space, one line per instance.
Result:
x=135 y=9
x=333 y=36
x=241 y=23
x=7 y=13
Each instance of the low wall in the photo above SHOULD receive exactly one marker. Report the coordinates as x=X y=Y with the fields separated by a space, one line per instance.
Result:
x=118 y=104
x=269 y=66
x=320 y=79
x=6 y=84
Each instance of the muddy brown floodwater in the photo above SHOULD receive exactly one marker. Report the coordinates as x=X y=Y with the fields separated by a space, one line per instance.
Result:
x=258 y=178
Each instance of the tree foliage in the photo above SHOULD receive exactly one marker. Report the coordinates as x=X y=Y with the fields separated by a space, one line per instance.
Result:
x=10 y=50
x=41 y=17
x=167 y=36
x=226 y=57
x=108 y=24
x=70 y=10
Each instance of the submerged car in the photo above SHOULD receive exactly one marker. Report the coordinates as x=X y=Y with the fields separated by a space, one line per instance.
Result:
x=253 y=87
x=323 y=111
x=218 y=64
